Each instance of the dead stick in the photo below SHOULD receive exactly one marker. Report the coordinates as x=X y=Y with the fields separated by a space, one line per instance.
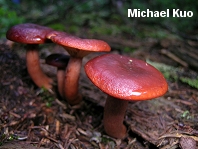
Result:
x=174 y=57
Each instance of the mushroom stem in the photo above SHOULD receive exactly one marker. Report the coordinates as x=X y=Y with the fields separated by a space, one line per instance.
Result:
x=114 y=112
x=60 y=80
x=34 y=69
x=72 y=75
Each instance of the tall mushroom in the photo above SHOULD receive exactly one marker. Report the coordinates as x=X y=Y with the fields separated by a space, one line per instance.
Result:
x=60 y=61
x=77 y=48
x=32 y=35
x=124 y=79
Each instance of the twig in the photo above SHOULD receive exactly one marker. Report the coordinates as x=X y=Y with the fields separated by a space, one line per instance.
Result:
x=57 y=127
x=174 y=57
x=177 y=135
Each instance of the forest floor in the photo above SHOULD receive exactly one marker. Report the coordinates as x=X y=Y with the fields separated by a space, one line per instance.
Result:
x=31 y=117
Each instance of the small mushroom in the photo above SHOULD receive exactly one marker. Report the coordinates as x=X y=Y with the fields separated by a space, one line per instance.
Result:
x=77 y=48
x=32 y=35
x=123 y=79
x=60 y=61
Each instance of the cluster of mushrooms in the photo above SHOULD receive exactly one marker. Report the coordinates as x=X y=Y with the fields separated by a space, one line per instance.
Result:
x=122 y=78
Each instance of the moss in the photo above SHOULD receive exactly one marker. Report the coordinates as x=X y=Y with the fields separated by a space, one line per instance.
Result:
x=190 y=82
x=175 y=74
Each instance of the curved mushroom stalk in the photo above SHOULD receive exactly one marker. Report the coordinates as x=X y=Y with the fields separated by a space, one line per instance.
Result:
x=60 y=81
x=113 y=118
x=60 y=61
x=77 y=48
x=34 y=69
x=72 y=75
x=124 y=79
x=32 y=35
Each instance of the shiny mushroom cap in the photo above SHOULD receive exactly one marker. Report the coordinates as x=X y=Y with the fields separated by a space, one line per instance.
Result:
x=78 y=47
x=28 y=33
x=57 y=60
x=126 y=78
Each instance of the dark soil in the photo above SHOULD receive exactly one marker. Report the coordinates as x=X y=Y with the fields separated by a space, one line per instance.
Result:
x=32 y=116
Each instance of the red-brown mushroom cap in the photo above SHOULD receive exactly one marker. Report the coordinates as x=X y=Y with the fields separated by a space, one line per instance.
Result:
x=28 y=33
x=57 y=60
x=125 y=77
x=78 y=47
x=32 y=35
x=60 y=61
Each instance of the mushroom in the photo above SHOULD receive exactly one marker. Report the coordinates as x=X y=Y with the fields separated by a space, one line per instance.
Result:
x=123 y=79
x=32 y=35
x=77 y=48
x=60 y=61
